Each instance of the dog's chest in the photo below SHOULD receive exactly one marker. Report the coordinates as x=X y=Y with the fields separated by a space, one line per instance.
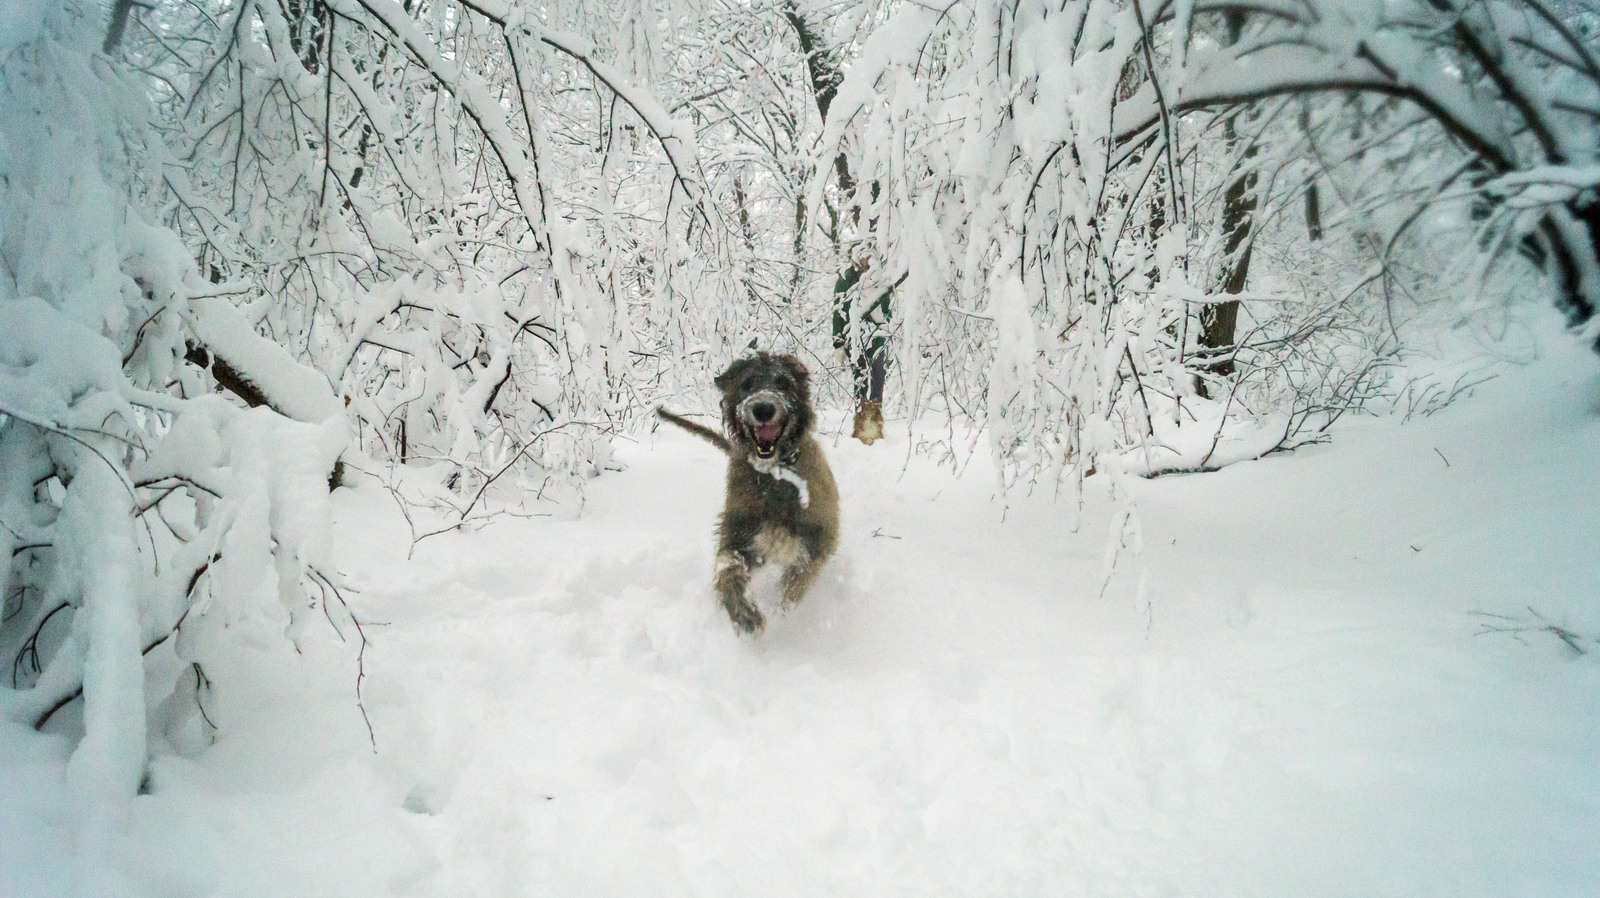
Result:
x=778 y=545
x=774 y=498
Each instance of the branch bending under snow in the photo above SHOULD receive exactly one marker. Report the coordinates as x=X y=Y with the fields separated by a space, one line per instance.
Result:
x=256 y=369
x=63 y=430
x=676 y=137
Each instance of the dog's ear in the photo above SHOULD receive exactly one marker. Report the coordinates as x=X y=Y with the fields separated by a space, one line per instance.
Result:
x=796 y=370
x=728 y=378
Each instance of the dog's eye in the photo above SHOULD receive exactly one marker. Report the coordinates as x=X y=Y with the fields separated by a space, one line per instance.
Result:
x=784 y=383
x=747 y=384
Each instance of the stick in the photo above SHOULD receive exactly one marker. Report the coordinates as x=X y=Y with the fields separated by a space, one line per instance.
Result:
x=699 y=430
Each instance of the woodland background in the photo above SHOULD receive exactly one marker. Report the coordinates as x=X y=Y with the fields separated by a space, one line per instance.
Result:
x=250 y=248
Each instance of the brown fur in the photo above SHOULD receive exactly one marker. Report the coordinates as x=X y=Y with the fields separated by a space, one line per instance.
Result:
x=766 y=409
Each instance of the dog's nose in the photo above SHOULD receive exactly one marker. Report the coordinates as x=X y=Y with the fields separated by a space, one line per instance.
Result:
x=763 y=411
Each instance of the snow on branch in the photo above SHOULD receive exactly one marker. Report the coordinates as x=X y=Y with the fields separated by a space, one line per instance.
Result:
x=477 y=100
x=675 y=136
x=257 y=369
x=1218 y=77
x=898 y=43
x=1511 y=83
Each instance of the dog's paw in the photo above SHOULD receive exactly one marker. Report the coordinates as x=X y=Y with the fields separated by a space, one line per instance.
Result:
x=746 y=616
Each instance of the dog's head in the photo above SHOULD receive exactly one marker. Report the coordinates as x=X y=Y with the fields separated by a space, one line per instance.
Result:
x=766 y=404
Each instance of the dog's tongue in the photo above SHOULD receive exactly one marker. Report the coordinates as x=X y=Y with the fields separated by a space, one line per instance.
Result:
x=767 y=434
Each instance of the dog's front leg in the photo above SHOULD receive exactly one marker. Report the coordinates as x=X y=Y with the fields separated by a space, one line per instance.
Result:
x=732 y=579
x=797 y=578
x=806 y=563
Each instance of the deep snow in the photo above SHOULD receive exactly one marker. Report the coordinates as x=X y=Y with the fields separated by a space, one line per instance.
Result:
x=1288 y=692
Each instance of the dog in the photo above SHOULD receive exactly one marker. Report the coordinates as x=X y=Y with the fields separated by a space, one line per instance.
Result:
x=782 y=505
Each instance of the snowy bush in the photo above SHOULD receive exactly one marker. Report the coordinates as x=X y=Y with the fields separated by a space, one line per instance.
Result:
x=135 y=506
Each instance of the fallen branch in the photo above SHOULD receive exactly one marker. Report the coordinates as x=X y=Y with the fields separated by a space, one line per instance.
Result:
x=1515 y=627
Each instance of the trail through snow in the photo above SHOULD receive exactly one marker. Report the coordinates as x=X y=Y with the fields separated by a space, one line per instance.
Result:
x=1307 y=705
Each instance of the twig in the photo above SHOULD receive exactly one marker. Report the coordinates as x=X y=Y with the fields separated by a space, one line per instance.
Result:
x=201 y=684
x=1515 y=627
x=323 y=581
x=488 y=481
x=31 y=645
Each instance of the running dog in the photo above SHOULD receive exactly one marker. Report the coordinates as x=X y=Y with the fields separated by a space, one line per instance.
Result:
x=782 y=506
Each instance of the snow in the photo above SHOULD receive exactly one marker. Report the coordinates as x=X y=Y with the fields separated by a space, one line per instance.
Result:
x=1546 y=184
x=50 y=362
x=292 y=389
x=19 y=24
x=107 y=764
x=1317 y=698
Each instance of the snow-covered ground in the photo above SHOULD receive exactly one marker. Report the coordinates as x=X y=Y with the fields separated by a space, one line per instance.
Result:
x=1290 y=691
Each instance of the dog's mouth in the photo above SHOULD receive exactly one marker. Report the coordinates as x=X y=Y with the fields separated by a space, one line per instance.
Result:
x=764 y=418
x=766 y=438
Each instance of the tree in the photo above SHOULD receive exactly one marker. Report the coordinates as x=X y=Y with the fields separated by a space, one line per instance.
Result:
x=858 y=328
x=1219 y=321
x=1513 y=85
x=146 y=524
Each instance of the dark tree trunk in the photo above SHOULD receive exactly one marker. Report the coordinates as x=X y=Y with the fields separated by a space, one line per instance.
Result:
x=119 y=24
x=1219 y=321
x=868 y=360
x=308 y=19
x=1313 y=213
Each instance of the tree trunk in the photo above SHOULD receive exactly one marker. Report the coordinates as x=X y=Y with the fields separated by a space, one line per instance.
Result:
x=307 y=21
x=868 y=360
x=1218 y=322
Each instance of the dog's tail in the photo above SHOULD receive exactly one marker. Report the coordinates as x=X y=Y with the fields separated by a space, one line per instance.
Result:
x=699 y=430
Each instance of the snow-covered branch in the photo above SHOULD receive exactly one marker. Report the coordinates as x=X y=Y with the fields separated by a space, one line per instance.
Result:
x=261 y=371
x=1508 y=81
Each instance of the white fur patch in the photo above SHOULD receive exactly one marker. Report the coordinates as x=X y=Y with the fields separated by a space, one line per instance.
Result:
x=771 y=468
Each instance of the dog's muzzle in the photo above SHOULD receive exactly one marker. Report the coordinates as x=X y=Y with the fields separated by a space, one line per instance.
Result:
x=764 y=414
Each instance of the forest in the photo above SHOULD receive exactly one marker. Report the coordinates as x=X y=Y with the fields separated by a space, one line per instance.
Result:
x=454 y=253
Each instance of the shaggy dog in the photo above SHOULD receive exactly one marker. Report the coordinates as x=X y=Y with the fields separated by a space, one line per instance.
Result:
x=782 y=506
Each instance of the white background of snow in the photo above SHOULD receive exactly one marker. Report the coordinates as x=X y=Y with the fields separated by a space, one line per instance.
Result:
x=561 y=709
